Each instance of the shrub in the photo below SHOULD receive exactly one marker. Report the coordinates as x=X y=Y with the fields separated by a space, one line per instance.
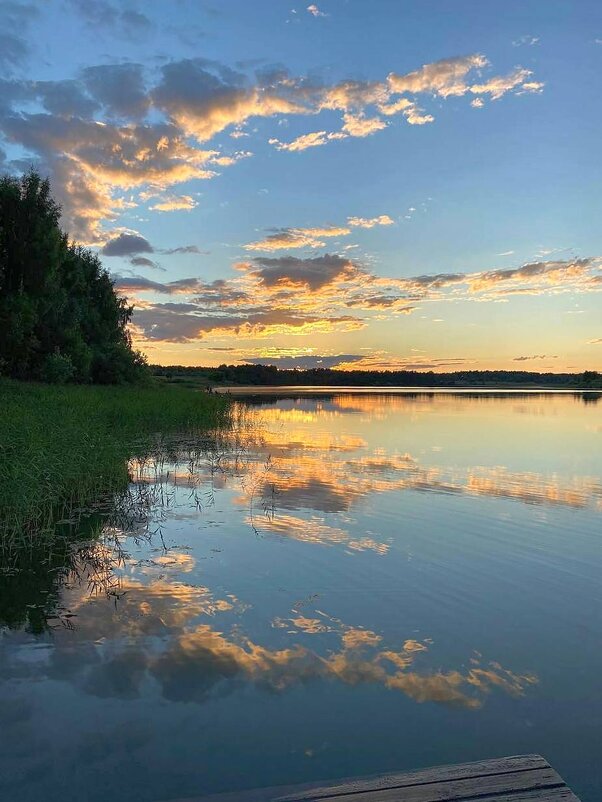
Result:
x=58 y=369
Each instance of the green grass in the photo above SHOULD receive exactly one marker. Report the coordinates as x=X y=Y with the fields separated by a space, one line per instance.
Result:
x=63 y=447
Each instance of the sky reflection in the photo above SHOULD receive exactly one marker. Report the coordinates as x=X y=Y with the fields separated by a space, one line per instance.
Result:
x=332 y=560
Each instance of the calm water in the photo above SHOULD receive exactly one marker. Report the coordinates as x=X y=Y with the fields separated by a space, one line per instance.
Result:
x=349 y=584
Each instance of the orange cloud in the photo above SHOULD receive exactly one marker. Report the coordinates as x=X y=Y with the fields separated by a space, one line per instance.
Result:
x=289 y=294
x=297 y=238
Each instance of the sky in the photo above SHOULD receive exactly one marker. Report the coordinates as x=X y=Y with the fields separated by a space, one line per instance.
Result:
x=395 y=184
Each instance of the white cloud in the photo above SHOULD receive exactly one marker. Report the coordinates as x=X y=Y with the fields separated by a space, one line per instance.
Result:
x=527 y=41
x=174 y=203
x=370 y=222
x=359 y=125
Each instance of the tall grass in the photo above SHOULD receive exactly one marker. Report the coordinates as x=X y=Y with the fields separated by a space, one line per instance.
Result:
x=64 y=447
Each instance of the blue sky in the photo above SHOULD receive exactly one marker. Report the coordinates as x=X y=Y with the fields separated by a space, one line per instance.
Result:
x=386 y=184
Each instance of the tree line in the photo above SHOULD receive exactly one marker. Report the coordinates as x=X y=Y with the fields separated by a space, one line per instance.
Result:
x=270 y=375
x=60 y=318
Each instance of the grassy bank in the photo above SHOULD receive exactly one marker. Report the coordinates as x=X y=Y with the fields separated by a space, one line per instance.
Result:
x=63 y=446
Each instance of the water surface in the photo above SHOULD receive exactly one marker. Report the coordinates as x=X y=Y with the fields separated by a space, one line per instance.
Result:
x=348 y=584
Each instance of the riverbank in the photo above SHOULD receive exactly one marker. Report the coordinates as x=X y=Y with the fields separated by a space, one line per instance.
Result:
x=63 y=446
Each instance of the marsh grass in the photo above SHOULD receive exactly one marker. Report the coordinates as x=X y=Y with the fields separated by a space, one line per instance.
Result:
x=64 y=448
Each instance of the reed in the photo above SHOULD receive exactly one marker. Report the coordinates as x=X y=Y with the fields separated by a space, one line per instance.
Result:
x=63 y=447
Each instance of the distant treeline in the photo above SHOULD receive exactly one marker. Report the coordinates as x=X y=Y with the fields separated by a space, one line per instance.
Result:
x=268 y=375
x=60 y=319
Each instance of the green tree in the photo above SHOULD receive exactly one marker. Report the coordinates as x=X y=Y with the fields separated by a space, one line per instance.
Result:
x=60 y=318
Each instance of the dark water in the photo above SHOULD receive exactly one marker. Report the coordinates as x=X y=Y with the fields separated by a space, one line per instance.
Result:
x=350 y=584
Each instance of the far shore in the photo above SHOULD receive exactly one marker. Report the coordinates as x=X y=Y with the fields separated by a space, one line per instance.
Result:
x=304 y=389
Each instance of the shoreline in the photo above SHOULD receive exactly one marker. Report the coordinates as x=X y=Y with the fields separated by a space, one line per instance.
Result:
x=384 y=389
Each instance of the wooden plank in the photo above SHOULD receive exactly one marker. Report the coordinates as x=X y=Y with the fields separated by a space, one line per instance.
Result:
x=466 y=788
x=480 y=768
x=521 y=778
x=562 y=794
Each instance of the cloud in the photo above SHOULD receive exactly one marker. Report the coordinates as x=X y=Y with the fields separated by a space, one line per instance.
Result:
x=595 y=342
x=305 y=362
x=499 y=85
x=203 y=98
x=553 y=272
x=536 y=356
x=13 y=50
x=174 y=203
x=64 y=98
x=127 y=244
x=286 y=238
x=305 y=141
x=135 y=21
x=94 y=163
x=175 y=325
x=311 y=273
x=444 y=78
x=292 y=238
x=142 y=261
x=184 y=249
x=315 y=11
x=360 y=126
x=531 y=87
x=272 y=295
x=370 y=222
x=102 y=15
x=114 y=129
x=120 y=88
x=14 y=47
x=267 y=304
x=449 y=78
x=528 y=41
x=130 y=284
x=383 y=361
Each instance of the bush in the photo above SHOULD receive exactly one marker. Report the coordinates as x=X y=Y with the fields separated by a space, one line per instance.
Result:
x=58 y=369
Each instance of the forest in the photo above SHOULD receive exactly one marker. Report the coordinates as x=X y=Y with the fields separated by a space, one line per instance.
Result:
x=60 y=318
x=269 y=375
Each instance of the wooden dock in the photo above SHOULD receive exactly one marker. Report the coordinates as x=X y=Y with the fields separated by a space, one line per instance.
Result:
x=522 y=778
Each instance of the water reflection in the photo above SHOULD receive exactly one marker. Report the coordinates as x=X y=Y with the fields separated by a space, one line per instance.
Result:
x=381 y=550
x=157 y=629
x=329 y=471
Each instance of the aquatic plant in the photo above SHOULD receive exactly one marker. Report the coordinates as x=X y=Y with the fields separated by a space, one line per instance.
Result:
x=64 y=447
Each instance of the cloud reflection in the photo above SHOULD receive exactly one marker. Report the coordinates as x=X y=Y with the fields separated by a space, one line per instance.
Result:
x=315 y=466
x=158 y=634
x=193 y=645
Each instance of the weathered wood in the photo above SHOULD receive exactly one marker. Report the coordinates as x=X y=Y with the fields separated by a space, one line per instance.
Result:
x=521 y=778
x=562 y=794
x=457 y=771
x=467 y=788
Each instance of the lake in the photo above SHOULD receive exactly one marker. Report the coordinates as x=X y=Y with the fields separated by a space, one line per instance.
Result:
x=346 y=583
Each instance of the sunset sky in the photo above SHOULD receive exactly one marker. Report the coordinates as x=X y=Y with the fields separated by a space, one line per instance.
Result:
x=393 y=184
